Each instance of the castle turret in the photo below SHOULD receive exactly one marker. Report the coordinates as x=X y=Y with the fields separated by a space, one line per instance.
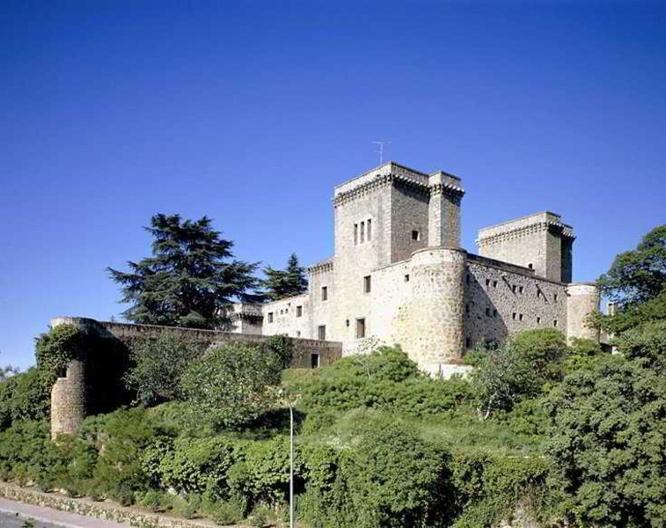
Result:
x=435 y=336
x=446 y=193
x=582 y=300
x=541 y=242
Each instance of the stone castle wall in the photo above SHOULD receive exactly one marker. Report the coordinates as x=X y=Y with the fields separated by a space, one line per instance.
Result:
x=71 y=394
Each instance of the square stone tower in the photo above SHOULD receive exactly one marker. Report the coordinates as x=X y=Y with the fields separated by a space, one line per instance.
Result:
x=541 y=242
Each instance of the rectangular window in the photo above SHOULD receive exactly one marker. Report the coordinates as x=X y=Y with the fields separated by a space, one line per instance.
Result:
x=555 y=323
x=362 y=232
x=467 y=308
x=520 y=317
x=299 y=311
x=494 y=313
x=360 y=328
x=520 y=289
x=513 y=316
x=416 y=235
x=367 y=283
x=513 y=288
x=555 y=297
x=347 y=323
x=487 y=282
x=407 y=278
x=369 y=230
x=538 y=320
x=314 y=360
x=321 y=332
x=270 y=317
x=355 y=234
x=468 y=342
x=488 y=312
x=324 y=293
x=494 y=284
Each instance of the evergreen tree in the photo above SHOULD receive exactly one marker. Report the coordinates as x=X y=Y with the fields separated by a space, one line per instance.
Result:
x=190 y=278
x=285 y=283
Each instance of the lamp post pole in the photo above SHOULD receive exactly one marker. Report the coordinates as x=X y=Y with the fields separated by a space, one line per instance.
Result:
x=291 y=466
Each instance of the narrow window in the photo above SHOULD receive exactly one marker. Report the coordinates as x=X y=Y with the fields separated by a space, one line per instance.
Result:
x=520 y=289
x=270 y=317
x=321 y=332
x=467 y=308
x=494 y=284
x=324 y=293
x=407 y=277
x=314 y=360
x=513 y=288
x=299 y=311
x=513 y=316
x=538 y=320
x=520 y=317
x=467 y=279
x=488 y=312
x=494 y=313
x=555 y=297
x=487 y=282
x=369 y=230
x=347 y=322
x=530 y=266
x=468 y=342
x=416 y=235
x=362 y=232
x=298 y=333
x=355 y=234
x=367 y=284
x=555 y=323
x=360 y=328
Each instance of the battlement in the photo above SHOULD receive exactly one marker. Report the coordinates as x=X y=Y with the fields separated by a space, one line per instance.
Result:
x=542 y=220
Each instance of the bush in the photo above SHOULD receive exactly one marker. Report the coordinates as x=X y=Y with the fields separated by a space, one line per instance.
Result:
x=25 y=396
x=158 y=365
x=232 y=384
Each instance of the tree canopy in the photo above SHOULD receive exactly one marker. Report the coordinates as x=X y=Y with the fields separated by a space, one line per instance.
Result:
x=287 y=282
x=190 y=278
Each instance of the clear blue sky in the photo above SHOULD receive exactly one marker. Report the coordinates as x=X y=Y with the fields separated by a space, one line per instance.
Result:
x=250 y=112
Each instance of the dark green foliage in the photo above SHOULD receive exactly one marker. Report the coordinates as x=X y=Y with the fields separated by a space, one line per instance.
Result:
x=232 y=384
x=283 y=347
x=25 y=396
x=639 y=275
x=544 y=351
x=158 y=365
x=285 y=283
x=190 y=278
x=646 y=342
x=609 y=443
x=56 y=348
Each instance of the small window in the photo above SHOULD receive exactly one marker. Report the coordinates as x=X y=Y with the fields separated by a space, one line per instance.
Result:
x=362 y=232
x=281 y=312
x=369 y=230
x=494 y=313
x=513 y=288
x=520 y=289
x=488 y=312
x=416 y=235
x=299 y=311
x=530 y=265
x=520 y=317
x=321 y=332
x=513 y=316
x=467 y=308
x=355 y=234
x=367 y=283
x=555 y=323
x=270 y=317
x=468 y=342
x=494 y=284
x=324 y=293
x=347 y=322
x=314 y=360
x=467 y=279
x=538 y=320
x=407 y=277
x=555 y=297
x=360 y=328
x=487 y=282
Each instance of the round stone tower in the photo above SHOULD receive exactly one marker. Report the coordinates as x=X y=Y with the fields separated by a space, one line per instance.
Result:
x=582 y=299
x=435 y=336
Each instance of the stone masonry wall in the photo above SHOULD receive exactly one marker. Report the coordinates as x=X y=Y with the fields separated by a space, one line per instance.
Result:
x=501 y=300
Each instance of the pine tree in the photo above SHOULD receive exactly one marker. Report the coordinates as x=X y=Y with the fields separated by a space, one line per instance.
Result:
x=190 y=278
x=285 y=283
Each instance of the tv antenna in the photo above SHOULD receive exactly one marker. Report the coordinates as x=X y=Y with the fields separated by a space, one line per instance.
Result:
x=380 y=149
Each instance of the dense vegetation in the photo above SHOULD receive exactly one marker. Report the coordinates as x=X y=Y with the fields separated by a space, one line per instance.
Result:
x=564 y=433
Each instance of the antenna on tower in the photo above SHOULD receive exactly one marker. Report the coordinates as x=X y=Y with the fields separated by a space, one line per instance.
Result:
x=380 y=150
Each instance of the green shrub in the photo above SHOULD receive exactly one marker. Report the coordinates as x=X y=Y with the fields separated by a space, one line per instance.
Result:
x=232 y=384
x=25 y=396
x=157 y=365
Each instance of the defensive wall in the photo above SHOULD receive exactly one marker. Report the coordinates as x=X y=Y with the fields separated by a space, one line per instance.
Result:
x=73 y=396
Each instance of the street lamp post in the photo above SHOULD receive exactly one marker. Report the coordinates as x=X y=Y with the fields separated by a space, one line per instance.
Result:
x=291 y=465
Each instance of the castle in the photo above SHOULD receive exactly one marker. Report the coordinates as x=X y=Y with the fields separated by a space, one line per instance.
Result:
x=399 y=275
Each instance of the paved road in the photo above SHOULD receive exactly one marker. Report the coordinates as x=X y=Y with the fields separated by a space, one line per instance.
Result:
x=46 y=517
